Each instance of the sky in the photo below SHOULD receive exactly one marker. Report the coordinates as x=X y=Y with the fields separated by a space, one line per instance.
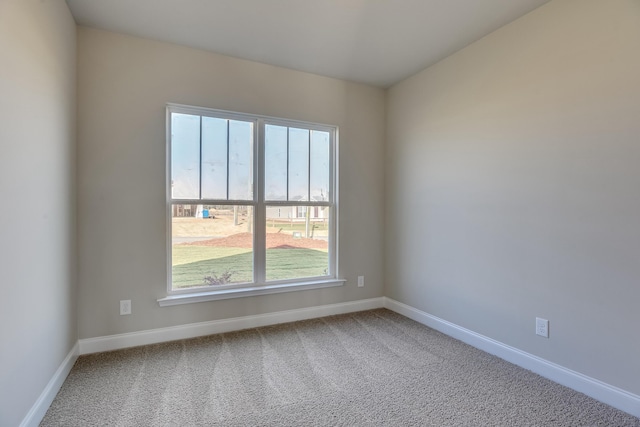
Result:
x=221 y=152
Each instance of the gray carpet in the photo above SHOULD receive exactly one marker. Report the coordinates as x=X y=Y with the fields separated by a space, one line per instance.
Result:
x=369 y=368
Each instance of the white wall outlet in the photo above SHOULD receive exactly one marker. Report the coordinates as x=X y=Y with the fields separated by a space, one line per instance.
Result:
x=361 y=281
x=542 y=327
x=125 y=307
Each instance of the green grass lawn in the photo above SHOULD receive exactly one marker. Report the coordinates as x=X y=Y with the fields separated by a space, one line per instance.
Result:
x=187 y=254
x=293 y=263
x=192 y=263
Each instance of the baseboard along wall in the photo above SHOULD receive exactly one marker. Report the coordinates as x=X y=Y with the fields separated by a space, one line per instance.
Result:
x=153 y=336
x=40 y=407
x=611 y=395
x=594 y=388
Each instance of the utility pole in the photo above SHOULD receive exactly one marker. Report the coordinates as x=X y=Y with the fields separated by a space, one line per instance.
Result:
x=307 y=233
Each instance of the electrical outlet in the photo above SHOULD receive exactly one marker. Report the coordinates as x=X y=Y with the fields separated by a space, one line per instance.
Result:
x=125 y=307
x=360 y=281
x=542 y=327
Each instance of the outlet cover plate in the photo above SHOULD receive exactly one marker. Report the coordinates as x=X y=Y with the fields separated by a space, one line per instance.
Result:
x=542 y=327
x=125 y=307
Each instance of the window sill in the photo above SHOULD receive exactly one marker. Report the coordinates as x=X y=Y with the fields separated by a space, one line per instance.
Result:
x=194 y=297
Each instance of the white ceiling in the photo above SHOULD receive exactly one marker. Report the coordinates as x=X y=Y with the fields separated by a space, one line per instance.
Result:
x=378 y=42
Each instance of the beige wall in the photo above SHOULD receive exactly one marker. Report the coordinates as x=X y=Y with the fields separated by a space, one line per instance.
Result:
x=513 y=187
x=38 y=325
x=124 y=84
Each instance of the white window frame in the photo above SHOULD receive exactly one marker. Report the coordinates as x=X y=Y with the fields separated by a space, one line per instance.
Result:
x=259 y=286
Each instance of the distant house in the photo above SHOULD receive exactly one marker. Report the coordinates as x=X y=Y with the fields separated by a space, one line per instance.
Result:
x=185 y=211
x=297 y=212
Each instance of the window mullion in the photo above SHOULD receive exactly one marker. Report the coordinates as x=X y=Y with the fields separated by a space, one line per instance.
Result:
x=287 y=163
x=260 y=232
x=228 y=128
x=333 y=208
x=309 y=167
x=200 y=164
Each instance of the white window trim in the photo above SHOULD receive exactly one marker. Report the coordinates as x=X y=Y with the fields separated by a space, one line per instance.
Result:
x=252 y=291
x=260 y=286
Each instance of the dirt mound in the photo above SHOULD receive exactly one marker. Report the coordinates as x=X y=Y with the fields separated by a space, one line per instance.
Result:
x=274 y=240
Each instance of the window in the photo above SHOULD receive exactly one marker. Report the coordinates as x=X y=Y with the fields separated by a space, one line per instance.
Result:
x=251 y=203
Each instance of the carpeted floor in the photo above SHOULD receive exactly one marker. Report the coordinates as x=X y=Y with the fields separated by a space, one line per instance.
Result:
x=369 y=368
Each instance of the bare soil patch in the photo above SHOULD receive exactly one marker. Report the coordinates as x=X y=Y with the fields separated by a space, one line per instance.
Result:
x=274 y=240
x=219 y=226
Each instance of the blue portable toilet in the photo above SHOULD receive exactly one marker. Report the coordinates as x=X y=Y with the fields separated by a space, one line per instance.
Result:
x=205 y=213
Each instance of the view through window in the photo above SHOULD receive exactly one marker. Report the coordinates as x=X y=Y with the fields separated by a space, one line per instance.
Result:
x=250 y=200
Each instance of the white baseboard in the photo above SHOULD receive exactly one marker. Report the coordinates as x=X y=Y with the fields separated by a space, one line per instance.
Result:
x=611 y=395
x=134 y=339
x=40 y=407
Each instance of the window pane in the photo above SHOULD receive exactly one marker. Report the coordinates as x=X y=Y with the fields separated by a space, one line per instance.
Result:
x=214 y=158
x=297 y=242
x=298 y=164
x=185 y=156
x=275 y=158
x=211 y=245
x=240 y=160
x=319 y=159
